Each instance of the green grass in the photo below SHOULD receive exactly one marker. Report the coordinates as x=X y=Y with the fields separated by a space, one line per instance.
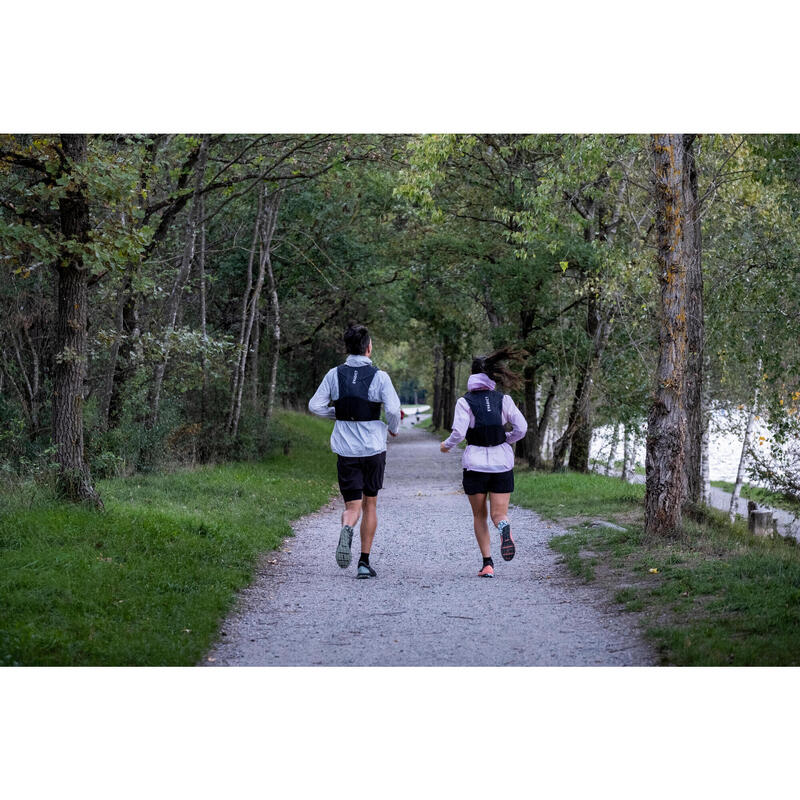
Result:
x=568 y=494
x=148 y=581
x=719 y=596
x=762 y=496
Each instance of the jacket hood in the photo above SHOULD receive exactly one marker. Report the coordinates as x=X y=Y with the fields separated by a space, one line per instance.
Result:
x=479 y=381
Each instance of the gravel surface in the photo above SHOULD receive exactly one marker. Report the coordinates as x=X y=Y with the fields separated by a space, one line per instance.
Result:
x=427 y=606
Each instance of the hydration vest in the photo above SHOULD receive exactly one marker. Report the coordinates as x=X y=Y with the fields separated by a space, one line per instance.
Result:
x=487 y=408
x=353 y=404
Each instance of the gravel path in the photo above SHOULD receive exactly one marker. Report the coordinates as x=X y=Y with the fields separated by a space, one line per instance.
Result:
x=427 y=606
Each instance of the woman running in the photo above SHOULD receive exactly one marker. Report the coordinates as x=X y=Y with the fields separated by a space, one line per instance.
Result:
x=488 y=460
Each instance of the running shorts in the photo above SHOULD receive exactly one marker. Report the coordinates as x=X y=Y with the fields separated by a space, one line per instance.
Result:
x=486 y=482
x=361 y=475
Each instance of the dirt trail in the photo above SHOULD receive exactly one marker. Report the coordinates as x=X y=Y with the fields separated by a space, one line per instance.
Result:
x=426 y=607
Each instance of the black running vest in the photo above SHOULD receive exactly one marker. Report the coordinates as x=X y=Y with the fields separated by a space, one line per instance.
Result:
x=487 y=408
x=353 y=403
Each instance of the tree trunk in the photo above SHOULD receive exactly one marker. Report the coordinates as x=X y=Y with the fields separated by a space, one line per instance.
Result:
x=579 y=449
x=29 y=399
x=201 y=268
x=108 y=383
x=124 y=363
x=489 y=306
x=535 y=459
x=705 y=471
x=74 y=480
x=599 y=328
x=612 y=452
x=628 y=452
x=451 y=390
x=448 y=392
x=436 y=415
x=530 y=442
x=666 y=422
x=552 y=433
x=737 y=487
x=176 y=295
x=275 y=316
x=236 y=378
x=695 y=330
x=446 y=412
x=267 y=218
x=254 y=365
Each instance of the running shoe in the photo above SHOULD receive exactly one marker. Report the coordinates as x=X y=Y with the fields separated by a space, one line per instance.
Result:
x=366 y=571
x=486 y=572
x=507 y=548
x=343 y=556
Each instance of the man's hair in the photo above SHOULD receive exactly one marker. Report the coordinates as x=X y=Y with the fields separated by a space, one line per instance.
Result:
x=356 y=339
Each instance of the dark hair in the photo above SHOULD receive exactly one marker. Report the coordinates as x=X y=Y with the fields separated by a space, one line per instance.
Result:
x=492 y=365
x=356 y=339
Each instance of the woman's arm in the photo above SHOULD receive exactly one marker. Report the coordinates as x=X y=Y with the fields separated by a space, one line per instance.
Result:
x=519 y=425
x=461 y=419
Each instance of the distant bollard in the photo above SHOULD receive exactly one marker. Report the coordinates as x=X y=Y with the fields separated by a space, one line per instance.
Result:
x=760 y=522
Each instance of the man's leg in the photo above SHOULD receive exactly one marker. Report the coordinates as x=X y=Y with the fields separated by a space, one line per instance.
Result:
x=351 y=513
x=373 y=467
x=351 y=484
x=369 y=523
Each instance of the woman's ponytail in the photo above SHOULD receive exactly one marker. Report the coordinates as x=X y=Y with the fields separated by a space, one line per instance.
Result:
x=493 y=365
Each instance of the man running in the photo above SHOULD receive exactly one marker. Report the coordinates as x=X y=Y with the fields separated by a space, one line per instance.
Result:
x=356 y=389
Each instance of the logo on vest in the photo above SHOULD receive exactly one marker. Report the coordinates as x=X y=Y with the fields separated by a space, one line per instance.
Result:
x=488 y=404
x=355 y=375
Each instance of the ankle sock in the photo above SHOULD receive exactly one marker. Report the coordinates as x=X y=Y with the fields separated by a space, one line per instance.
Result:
x=364 y=559
x=487 y=561
x=502 y=523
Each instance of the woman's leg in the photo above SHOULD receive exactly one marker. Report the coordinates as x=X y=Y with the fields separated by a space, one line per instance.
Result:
x=498 y=504
x=478 y=504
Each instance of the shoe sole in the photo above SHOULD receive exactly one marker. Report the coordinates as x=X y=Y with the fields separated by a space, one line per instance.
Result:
x=507 y=548
x=363 y=576
x=343 y=554
x=486 y=576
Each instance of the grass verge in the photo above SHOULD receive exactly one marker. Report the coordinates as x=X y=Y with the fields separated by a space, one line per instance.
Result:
x=762 y=496
x=717 y=596
x=148 y=581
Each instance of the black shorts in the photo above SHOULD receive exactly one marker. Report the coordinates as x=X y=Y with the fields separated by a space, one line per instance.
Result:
x=357 y=475
x=485 y=482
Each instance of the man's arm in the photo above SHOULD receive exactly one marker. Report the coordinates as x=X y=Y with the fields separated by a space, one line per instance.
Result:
x=318 y=404
x=391 y=405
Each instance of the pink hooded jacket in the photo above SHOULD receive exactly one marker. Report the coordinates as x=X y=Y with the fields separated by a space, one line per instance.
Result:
x=486 y=459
